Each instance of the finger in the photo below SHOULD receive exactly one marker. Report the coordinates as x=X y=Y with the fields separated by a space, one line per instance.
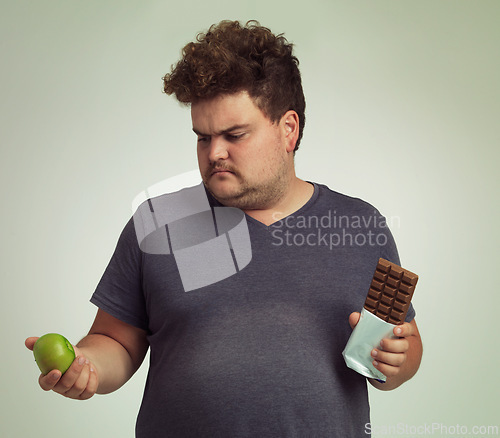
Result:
x=354 y=319
x=70 y=376
x=385 y=369
x=30 y=342
x=393 y=359
x=77 y=351
x=404 y=330
x=50 y=380
x=92 y=384
x=81 y=383
x=400 y=345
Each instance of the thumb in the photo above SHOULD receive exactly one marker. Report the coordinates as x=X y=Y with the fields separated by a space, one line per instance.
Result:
x=354 y=318
x=30 y=342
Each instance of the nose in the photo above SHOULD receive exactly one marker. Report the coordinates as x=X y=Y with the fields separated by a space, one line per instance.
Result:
x=218 y=149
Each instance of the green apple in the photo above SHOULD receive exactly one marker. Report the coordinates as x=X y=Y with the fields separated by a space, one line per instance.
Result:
x=53 y=352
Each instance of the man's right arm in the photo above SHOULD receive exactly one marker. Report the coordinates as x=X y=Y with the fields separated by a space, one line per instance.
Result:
x=105 y=359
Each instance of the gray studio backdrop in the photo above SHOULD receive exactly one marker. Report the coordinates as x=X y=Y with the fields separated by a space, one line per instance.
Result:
x=402 y=111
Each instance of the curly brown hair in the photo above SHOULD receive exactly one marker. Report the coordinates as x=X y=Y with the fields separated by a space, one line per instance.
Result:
x=229 y=58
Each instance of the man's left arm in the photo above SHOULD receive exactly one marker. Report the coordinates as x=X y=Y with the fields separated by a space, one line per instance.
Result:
x=398 y=359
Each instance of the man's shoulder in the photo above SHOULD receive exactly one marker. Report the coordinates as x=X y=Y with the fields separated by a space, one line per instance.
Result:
x=342 y=203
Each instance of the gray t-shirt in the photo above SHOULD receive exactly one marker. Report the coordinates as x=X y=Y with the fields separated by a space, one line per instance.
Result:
x=258 y=354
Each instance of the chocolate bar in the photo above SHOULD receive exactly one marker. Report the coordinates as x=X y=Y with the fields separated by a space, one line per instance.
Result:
x=390 y=292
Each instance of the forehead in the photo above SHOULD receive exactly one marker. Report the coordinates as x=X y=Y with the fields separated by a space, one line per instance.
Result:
x=220 y=112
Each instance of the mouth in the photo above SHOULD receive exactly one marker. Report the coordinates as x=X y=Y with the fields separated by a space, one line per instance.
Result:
x=220 y=171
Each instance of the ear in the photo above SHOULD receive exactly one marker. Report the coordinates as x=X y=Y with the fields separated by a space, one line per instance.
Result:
x=290 y=123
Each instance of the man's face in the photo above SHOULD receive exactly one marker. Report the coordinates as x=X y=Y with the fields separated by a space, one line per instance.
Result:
x=242 y=155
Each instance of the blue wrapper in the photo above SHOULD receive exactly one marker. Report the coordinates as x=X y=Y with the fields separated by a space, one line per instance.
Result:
x=366 y=336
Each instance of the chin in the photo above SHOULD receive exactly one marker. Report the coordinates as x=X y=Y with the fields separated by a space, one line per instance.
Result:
x=222 y=194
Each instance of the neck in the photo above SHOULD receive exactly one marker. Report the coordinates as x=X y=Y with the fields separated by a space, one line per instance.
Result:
x=298 y=193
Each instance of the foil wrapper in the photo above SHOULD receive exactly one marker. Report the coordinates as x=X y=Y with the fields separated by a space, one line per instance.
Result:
x=366 y=336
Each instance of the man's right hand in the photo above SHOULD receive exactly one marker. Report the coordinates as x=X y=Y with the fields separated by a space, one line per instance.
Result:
x=79 y=382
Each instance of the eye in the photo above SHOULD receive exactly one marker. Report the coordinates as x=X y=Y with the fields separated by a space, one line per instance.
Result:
x=203 y=139
x=234 y=137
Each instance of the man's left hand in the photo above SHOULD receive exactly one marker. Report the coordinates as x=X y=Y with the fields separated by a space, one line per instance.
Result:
x=392 y=354
x=398 y=359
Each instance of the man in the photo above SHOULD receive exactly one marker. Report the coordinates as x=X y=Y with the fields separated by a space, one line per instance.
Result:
x=259 y=353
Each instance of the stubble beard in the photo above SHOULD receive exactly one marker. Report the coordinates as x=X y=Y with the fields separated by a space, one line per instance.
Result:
x=257 y=196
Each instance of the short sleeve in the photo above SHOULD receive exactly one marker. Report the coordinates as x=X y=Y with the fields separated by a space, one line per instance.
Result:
x=120 y=292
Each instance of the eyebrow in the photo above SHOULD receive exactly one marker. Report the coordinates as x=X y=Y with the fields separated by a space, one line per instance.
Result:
x=224 y=131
